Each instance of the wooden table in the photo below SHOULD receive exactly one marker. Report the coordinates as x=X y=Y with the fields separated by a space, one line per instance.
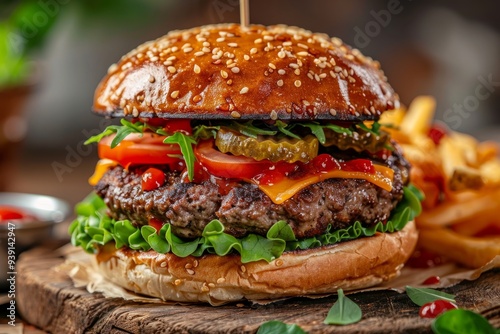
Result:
x=48 y=299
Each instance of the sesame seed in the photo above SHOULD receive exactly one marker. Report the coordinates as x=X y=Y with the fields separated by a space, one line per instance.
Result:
x=279 y=83
x=253 y=51
x=293 y=65
x=229 y=82
x=310 y=76
x=205 y=288
x=223 y=74
x=163 y=264
x=244 y=90
x=153 y=58
x=316 y=77
x=333 y=74
x=196 y=69
x=221 y=280
x=206 y=43
x=140 y=55
x=372 y=109
x=235 y=114
x=246 y=57
x=220 y=39
x=188 y=266
x=190 y=271
x=303 y=46
x=287 y=43
x=323 y=75
x=211 y=285
x=274 y=115
x=297 y=71
x=197 y=98
x=258 y=41
x=281 y=72
x=338 y=69
x=172 y=69
x=351 y=79
x=174 y=94
x=175 y=49
x=333 y=112
x=243 y=268
x=172 y=58
x=217 y=56
x=187 y=50
x=357 y=114
x=151 y=79
x=281 y=54
x=235 y=70
x=167 y=63
x=177 y=282
x=271 y=65
x=232 y=45
x=279 y=262
x=306 y=103
x=297 y=83
x=112 y=68
x=195 y=263
x=199 y=53
x=206 y=49
x=135 y=112
x=187 y=45
x=302 y=53
x=268 y=38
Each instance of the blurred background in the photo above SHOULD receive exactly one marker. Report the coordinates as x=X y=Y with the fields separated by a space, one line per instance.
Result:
x=53 y=53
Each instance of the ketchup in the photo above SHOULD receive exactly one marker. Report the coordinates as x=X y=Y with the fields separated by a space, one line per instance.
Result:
x=435 y=308
x=8 y=213
x=432 y=280
x=436 y=133
x=322 y=163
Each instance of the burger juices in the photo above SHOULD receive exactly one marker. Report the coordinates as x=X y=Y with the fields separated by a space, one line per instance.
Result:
x=248 y=164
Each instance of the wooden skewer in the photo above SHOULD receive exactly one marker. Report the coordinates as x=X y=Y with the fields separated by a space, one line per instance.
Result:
x=244 y=13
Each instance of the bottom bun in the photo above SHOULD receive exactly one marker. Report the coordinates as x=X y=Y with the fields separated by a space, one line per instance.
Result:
x=217 y=280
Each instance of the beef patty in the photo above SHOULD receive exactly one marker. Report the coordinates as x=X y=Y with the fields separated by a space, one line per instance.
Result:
x=244 y=208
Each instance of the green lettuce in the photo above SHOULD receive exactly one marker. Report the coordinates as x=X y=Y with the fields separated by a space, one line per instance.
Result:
x=93 y=228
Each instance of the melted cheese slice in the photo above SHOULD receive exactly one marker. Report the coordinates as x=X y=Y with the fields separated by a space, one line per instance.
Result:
x=102 y=167
x=286 y=188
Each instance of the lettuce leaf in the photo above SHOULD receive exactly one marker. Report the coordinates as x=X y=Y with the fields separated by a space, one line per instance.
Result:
x=93 y=228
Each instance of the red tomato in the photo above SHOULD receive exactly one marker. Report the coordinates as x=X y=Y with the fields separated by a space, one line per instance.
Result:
x=152 y=179
x=435 y=308
x=359 y=165
x=226 y=165
x=436 y=133
x=136 y=150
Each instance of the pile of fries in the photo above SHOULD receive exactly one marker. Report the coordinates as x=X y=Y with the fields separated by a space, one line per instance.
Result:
x=460 y=178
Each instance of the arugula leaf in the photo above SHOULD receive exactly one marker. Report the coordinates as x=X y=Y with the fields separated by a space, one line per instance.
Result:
x=186 y=143
x=205 y=131
x=422 y=296
x=316 y=130
x=286 y=129
x=375 y=129
x=278 y=327
x=343 y=312
x=338 y=129
x=248 y=129
x=460 y=321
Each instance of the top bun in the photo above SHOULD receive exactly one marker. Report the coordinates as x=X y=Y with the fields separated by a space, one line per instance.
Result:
x=226 y=72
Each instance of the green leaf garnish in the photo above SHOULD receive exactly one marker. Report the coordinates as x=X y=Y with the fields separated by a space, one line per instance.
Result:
x=278 y=327
x=248 y=129
x=316 y=129
x=343 y=312
x=422 y=296
x=186 y=143
x=93 y=228
x=285 y=129
x=375 y=129
x=460 y=321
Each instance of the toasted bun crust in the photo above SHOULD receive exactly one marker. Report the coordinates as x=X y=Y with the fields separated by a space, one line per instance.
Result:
x=214 y=279
x=224 y=72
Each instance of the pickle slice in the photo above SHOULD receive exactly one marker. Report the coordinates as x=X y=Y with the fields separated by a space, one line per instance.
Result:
x=262 y=147
x=359 y=141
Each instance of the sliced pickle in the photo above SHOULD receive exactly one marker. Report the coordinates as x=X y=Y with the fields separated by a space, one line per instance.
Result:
x=359 y=141
x=262 y=147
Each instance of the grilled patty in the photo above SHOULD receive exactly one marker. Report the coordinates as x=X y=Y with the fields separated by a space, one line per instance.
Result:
x=244 y=209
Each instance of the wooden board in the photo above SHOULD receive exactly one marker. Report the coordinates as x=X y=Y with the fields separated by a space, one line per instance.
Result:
x=47 y=298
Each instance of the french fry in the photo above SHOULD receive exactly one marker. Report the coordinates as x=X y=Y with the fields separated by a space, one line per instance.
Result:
x=451 y=156
x=419 y=116
x=486 y=151
x=465 y=178
x=490 y=172
x=392 y=117
x=469 y=251
x=467 y=145
x=449 y=213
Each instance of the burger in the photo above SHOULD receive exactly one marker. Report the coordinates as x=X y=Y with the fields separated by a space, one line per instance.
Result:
x=248 y=164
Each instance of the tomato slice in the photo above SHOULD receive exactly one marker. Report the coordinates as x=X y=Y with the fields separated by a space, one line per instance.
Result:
x=135 y=149
x=226 y=165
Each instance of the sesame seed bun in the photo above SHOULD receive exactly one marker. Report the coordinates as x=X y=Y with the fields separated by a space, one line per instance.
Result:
x=275 y=72
x=349 y=265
